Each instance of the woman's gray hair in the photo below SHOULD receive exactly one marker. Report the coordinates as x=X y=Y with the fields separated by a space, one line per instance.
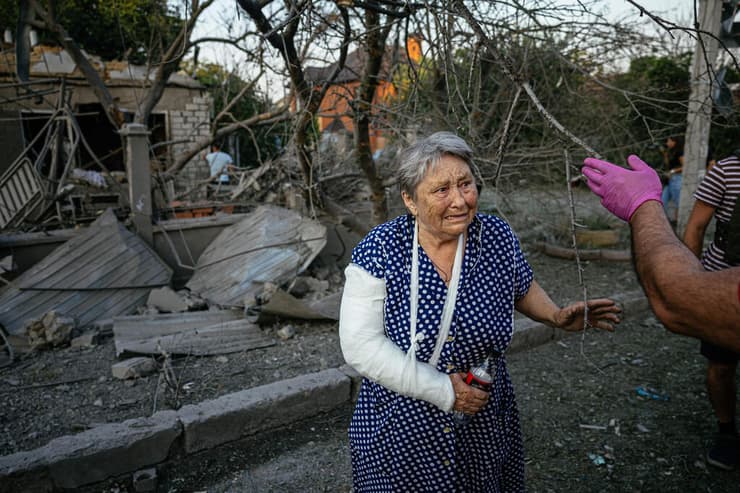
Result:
x=425 y=154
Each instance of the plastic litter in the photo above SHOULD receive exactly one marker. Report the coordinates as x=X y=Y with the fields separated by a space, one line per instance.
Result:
x=597 y=460
x=651 y=393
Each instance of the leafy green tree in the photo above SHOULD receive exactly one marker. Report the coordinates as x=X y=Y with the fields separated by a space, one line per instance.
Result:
x=136 y=30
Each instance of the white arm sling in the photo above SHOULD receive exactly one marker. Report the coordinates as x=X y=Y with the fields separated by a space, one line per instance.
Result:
x=373 y=355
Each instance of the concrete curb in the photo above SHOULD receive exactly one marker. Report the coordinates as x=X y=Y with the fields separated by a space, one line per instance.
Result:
x=116 y=449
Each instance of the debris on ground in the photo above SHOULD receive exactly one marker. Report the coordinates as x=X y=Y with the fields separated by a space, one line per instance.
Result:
x=191 y=333
x=271 y=244
x=283 y=304
x=651 y=393
x=103 y=272
x=166 y=300
x=51 y=330
x=86 y=340
x=137 y=367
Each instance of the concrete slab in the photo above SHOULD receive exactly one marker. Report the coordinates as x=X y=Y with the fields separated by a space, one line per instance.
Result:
x=93 y=455
x=240 y=414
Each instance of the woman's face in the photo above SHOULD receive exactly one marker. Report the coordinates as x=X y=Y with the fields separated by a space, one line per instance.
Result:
x=670 y=143
x=446 y=199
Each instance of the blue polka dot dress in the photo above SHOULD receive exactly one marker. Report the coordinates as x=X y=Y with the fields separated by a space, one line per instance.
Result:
x=402 y=444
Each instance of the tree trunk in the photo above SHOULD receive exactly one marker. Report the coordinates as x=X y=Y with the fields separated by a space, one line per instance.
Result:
x=363 y=109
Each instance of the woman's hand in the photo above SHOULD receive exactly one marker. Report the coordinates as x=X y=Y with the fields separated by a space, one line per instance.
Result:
x=468 y=400
x=603 y=314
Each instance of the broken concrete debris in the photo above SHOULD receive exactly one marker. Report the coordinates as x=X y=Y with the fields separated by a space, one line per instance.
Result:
x=194 y=333
x=286 y=332
x=137 y=367
x=166 y=300
x=51 y=330
x=145 y=480
x=87 y=340
x=271 y=244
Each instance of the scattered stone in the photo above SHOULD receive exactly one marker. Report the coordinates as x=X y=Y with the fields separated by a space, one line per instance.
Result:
x=12 y=381
x=98 y=402
x=50 y=330
x=166 y=300
x=104 y=327
x=145 y=480
x=87 y=340
x=305 y=284
x=286 y=332
x=222 y=359
x=268 y=289
x=134 y=367
x=642 y=428
x=192 y=300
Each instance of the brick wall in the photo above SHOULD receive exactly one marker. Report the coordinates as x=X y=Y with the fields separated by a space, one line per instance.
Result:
x=192 y=123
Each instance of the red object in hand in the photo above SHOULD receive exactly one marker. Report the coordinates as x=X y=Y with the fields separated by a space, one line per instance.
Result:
x=479 y=377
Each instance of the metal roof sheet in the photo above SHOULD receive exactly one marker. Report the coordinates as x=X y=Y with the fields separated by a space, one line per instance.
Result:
x=103 y=272
x=272 y=244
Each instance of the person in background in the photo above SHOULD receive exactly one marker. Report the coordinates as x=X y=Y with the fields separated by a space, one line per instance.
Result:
x=673 y=161
x=687 y=299
x=219 y=164
x=716 y=197
x=429 y=295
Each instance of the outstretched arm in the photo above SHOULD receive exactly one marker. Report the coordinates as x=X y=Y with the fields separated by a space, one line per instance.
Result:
x=685 y=297
x=537 y=305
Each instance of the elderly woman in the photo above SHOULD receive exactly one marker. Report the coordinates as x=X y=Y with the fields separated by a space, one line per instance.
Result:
x=428 y=295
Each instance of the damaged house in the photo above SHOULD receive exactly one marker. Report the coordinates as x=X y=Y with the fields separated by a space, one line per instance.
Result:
x=54 y=123
x=89 y=232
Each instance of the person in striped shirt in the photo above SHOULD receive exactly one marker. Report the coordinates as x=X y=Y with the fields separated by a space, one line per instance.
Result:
x=687 y=298
x=716 y=196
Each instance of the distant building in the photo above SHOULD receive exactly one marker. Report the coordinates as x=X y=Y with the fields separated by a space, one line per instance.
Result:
x=335 y=114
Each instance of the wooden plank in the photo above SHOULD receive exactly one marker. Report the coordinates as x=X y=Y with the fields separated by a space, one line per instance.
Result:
x=142 y=326
x=221 y=338
x=286 y=305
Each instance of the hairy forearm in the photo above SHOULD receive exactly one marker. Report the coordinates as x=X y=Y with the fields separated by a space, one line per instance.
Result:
x=685 y=297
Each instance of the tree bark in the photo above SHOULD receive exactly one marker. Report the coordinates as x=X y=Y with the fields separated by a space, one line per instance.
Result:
x=363 y=112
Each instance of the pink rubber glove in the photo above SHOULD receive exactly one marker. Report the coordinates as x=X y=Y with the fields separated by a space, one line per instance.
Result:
x=621 y=190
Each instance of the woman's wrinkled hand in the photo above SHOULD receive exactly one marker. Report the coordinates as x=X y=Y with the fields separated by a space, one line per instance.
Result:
x=603 y=314
x=468 y=400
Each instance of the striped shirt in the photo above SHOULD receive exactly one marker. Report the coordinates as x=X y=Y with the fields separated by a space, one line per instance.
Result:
x=719 y=189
